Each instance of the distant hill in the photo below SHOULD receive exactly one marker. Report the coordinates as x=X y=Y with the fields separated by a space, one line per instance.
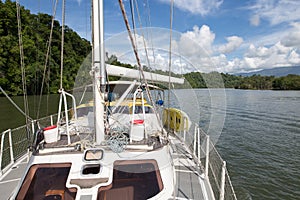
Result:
x=277 y=72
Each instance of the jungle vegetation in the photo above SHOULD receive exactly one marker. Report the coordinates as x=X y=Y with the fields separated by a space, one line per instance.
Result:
x=254 y=82
x=35 y=37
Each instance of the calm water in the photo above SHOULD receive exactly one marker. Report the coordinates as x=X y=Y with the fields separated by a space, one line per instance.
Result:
x=260 y=139
x=10 y=117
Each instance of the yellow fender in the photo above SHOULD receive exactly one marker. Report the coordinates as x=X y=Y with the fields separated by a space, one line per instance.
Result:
x=175 y=119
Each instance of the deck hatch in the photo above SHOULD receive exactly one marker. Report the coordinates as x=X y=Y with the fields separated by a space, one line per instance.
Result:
x=93 y=154
x=133 y=180
x=47 y=181
x=91 y=169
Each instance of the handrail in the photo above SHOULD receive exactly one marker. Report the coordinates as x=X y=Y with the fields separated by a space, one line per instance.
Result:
x=197 y=144
x=2 y=149
x=12 y=150
x=198 y=141
x=63 y=99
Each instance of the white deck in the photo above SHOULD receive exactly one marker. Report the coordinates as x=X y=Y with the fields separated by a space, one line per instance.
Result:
x=10 y=180
x=190 y=180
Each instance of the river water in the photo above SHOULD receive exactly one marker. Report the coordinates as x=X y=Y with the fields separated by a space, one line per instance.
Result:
x=260 y=139
x=11 y=118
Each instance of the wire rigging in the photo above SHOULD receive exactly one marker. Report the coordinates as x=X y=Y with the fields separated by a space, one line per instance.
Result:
x=142 y=32
x=148 y=19
x=37 y=55
x=62 y=44
x=133 y=24
x=132 y=14
x=14 y=104
x=25 y=98
x=131 y=37
x=143 y=37
x=137 y=56
x=151 y=35
x=170 y=59
x=47 y=57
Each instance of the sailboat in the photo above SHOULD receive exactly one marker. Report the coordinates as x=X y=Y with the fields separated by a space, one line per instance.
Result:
x=119 y=144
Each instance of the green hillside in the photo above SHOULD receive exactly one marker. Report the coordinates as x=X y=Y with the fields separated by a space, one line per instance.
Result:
x=36 y=32
x=254 y=82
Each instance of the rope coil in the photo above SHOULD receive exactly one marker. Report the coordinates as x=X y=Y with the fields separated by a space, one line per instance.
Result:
x=118 y=142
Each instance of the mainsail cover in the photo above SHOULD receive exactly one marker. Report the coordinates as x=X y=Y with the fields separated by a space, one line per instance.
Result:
x=133 y=73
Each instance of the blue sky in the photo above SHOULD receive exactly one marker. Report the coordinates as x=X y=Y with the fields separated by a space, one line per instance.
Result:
x=235 y=35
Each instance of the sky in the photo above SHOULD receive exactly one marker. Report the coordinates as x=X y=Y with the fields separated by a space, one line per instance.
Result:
x=229 y=36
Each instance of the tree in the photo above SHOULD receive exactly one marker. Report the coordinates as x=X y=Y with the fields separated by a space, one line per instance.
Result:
x=35 y=36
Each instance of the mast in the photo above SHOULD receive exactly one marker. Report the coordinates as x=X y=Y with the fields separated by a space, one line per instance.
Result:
x=98 y=68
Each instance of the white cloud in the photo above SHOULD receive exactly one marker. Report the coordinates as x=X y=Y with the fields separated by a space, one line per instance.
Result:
x=202 y=7
x=276 y=49
x=252 y=63
x=280 y=49
x=294 y=58
x=255 y=20
x=140 y=41
x=234 y=42
x=196 y=50
x=292 y=38
x=234 y=65
x=197 y=47
x=257 y=58
x=275 y=11
x=264 y=52
x=256 y=52
x=197 y=42
x=275 y=56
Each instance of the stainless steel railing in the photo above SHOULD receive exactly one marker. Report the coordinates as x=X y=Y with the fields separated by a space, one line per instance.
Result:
x=205 y=153
x=15 y=142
